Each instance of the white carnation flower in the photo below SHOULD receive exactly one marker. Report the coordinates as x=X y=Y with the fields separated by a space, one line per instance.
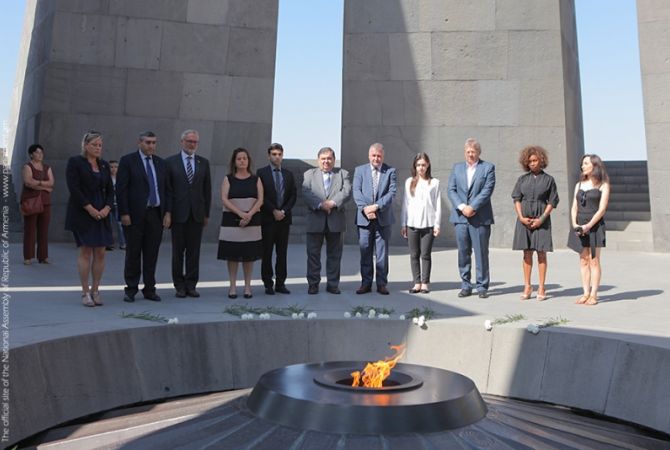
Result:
x=359 y=315
x=371 y=314
x=294 y=315
x=301 y=315
x=415 y=320
x=311 y=315
x=422 y=321
x=347 y=315
x=173 y=321
x=402 y=317
x=532 y=328
x=488 y=326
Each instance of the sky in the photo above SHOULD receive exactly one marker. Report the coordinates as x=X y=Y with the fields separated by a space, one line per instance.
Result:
x=308 y=85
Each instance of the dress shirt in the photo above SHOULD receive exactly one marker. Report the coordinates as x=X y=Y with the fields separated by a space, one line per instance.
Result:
x=470 y=173
x=424 y=208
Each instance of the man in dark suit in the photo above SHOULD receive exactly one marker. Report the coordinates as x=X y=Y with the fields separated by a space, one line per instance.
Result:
x=374 y=192
x=143 y=197
x=279 y=195
x=325 y=189
x=471 y=185
x=191 y=187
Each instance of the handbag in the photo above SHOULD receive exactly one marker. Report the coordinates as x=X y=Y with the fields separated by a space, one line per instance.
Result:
x=32 y=205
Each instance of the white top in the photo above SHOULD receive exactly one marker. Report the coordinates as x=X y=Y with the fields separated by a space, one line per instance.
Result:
x=424 y=208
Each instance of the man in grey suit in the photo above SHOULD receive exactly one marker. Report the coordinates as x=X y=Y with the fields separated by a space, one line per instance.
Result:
x=470 y=188
x=375 y=186
x=191 y=184
x=325 y=189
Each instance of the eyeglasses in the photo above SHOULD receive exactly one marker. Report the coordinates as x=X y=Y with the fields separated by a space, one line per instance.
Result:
x=190 y=141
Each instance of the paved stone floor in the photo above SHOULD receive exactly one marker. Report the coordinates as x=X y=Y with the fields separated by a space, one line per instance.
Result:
x=635 y=302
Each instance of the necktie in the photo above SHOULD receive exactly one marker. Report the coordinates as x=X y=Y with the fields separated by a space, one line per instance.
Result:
x=153 y=196
x=279 y=188
x=327 y=183
x=189 y=169
x=375 y=183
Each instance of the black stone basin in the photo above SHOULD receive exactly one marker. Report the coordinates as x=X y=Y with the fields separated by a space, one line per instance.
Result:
x=414 y=399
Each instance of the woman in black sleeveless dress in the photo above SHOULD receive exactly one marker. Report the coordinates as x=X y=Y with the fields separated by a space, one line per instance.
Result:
x=587 y=215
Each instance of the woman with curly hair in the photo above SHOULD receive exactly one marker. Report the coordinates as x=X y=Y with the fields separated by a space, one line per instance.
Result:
x=535 y=197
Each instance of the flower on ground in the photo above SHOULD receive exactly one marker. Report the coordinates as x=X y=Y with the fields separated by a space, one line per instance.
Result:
x=422 y=321
x=247 y=316
x=532 y=328
x=173 y=321
x=402 y=317
x=311 y=315
x=488 y=326
x=372 y=313
x=347 y=315
x=294 y=316
x=264 y=316
x=415 y=320
x=301 y=315
x=359 y=314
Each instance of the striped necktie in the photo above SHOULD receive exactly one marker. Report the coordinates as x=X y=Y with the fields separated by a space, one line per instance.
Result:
x=375 y=183
x=189 y=169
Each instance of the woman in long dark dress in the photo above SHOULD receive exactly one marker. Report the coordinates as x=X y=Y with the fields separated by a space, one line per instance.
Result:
x=535 y=197
x=240 y=237
x=91 y=199
x=592 y=195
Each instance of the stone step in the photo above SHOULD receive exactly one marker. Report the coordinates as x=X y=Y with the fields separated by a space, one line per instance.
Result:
x=630 y=226
x=617 y=205
x=629 y=179
x=629 y=197
x=631 y=188
x=643 y=216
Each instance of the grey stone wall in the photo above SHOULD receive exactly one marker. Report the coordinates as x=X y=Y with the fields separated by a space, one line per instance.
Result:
x=424 y=75
x=122 y=66
x=654 y=32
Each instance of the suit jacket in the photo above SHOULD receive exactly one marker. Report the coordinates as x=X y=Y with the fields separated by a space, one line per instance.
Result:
x=132 y=186
x=270 y=194
x=189 y=198
x=84 y=186
x=314 y=193
x=478 y=196
x=386 y=190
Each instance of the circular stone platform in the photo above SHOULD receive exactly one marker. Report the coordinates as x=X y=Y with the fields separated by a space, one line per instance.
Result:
x=418 y=399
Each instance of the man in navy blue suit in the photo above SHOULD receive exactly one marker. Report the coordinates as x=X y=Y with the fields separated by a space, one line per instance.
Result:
x=470 y=188
x=374 y=190
x=142 y=193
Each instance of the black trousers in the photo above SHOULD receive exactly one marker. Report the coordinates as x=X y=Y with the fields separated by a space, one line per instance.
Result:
x=186 y=239
x=275 y=236
x=143 y=241
x=420 y=241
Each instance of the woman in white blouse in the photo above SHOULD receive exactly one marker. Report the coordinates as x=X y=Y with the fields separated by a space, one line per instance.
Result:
x=421 y=212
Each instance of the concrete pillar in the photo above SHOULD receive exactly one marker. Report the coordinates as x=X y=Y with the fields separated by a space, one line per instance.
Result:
x=424 y=75
x=653 y=18
x=123 y=66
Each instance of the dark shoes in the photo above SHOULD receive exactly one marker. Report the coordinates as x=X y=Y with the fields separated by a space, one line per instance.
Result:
x=192 y=293
x=465 y=293
x=483 y=294
x=382 y=290
x=333 y=290
x=269 y=291
x=414 y=291
x=282 y=289
x=313 y=289
x=363 y=289
x=181 y=293
x=232 y=295
x=152 y=296
x=128 y=298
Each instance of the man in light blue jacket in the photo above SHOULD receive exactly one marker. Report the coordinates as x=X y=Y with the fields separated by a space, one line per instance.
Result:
x=470 y=189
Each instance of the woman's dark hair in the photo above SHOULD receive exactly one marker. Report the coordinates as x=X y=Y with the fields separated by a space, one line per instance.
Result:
x=599 y=173
x=415 y=176
x=533 y=150
x=236 y=152
x=33 y=148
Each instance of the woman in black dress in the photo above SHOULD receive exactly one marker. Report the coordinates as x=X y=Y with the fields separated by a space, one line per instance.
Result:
x=535 y=197
x=240 y=237
x=91 y=198
x=592 y=195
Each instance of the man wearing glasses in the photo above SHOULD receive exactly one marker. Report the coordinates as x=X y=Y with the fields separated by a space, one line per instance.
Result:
x=191 y=186
x=143 y=197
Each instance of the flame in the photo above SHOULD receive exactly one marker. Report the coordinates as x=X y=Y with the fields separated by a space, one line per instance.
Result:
x=375 y=373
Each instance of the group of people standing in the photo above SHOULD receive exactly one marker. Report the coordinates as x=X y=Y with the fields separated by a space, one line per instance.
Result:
x=146 y=194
